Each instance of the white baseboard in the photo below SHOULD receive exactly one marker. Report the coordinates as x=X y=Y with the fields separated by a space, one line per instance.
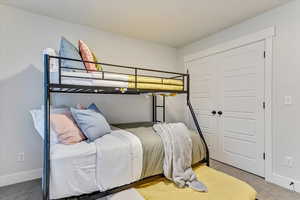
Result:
x=20 y=177
x=37 y=173
x=285 y=182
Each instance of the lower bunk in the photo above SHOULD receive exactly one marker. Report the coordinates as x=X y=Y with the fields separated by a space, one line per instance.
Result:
x=74 y=167
x=74 y=170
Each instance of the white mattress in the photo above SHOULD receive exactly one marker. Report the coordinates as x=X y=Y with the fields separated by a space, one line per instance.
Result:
x=86 y=79
x=73 y=170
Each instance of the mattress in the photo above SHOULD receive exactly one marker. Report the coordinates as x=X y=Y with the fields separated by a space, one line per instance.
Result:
x=73 y=167
x=116 y=80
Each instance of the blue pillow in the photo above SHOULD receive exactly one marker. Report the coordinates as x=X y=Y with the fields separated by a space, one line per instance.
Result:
x=95 y=108
x=68 y=50
x=92 y=124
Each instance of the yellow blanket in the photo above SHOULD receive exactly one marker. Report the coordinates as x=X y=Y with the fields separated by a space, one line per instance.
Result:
x=152 y=86
x=148 y=79
x=220 y=187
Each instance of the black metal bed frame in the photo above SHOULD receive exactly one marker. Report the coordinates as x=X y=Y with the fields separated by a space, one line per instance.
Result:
x=67 y=88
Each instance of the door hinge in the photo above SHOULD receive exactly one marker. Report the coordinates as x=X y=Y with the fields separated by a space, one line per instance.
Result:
x=264 y=105
x=264 y=54
x=264 y=155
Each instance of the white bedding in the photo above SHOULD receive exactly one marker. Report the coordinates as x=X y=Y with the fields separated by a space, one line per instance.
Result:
x=74 y=167
x=87 y=79
x=73 y=170
x=98 y=75
x=119 y=159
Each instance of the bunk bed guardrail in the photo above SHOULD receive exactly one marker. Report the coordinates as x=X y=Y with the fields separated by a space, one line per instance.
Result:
x=136 y=72
x=69 y=88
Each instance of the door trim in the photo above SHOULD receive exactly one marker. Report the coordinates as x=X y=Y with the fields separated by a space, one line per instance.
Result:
x=263 y=35
x=242 y=41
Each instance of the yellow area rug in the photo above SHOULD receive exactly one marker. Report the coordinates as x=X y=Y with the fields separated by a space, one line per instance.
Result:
x=220 y=187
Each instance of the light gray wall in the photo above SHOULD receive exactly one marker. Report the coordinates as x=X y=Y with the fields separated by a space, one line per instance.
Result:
x=286 y=67
x=23 y=36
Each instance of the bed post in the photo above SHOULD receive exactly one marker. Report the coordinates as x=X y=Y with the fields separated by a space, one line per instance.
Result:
x=46 y=167
x=164 y=108
x=154 y=108
x=195 y=118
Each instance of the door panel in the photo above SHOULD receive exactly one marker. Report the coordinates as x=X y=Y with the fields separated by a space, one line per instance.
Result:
x=232 y=82
x=239 y=147
x=239 y=104
x=241 y=127
x=203 y=85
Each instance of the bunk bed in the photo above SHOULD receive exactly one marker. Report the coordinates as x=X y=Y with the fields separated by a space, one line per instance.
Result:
x=135 y=82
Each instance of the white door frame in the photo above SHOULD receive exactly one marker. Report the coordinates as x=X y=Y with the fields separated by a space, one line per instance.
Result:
x=263 y=35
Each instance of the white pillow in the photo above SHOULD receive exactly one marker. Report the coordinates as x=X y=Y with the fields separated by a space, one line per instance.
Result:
x=38 y=121
x=53 y=65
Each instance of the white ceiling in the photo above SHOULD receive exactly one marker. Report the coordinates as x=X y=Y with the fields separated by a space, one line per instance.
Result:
x=172 y=22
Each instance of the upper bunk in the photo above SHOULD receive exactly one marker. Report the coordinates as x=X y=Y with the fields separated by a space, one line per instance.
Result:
x=111 y=79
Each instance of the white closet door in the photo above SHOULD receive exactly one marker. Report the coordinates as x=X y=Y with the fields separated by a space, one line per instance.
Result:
x=203 y=98
x=241 y=126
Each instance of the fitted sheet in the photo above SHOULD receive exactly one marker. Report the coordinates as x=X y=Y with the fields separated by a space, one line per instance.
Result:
x=153 y=150
x=117 y=80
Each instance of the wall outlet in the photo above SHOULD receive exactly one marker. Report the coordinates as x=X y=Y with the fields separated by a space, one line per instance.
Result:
x=289 y=161
x=21 y=157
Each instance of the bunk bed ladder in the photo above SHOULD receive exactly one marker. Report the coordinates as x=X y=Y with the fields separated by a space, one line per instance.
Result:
x=155 y=107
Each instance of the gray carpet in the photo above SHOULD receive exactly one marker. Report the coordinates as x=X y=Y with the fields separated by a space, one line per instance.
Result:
x=32 y=190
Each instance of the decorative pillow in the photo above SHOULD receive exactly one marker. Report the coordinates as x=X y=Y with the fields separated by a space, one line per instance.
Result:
x=80 y=106
x=95 y=108
x=92 y=124
x=86 y=55
x=68 y=50
x=66 y=129
x=98 y=66
x=38 y=121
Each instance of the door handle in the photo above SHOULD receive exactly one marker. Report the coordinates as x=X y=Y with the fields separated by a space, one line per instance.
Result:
x=213 y=112
x=220 y=113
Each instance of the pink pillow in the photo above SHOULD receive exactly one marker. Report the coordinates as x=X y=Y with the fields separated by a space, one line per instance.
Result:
x=87 y=55
x=80 y=107
x=66 y=129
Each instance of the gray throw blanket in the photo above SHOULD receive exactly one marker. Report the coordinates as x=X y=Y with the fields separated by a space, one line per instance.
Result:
x=178 y=155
